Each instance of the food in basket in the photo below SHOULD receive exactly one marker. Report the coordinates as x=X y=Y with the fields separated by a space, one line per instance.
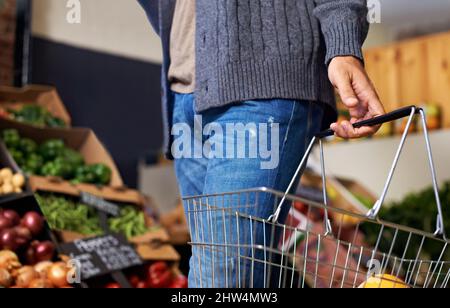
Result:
x=11 y=183
x=54 y=158
x=384 y=282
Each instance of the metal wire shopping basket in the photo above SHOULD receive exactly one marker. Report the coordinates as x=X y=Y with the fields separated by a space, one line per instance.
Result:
x=234 y=248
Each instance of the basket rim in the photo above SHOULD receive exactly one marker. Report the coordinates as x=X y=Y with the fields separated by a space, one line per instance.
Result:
x=292 y=197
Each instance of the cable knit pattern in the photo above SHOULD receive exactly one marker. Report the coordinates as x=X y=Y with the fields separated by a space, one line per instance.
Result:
x=263 y=49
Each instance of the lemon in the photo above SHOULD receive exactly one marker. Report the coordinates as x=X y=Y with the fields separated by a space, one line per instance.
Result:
x=384 y=282
x=346 y=220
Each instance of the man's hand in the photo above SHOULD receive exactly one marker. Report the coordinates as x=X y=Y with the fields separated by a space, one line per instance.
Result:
x=348 y=76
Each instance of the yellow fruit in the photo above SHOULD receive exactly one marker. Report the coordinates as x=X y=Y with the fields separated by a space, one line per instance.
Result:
x=384 y=282
x=346 y=220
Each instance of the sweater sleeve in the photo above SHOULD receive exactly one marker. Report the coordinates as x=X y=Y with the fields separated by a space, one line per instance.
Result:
x=151 y=8
x=344 y=26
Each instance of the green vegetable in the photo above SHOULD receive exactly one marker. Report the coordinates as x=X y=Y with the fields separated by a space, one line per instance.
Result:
x=11 y=138
x=57 y=168
x=27 y=146
x=17 y=156
x=102 y=173
x=33 y=164
x=36 y=115
x=418 y=211
x=51 y=149
x=55 y=122
x=66 y=214
x=131 y=222
x=72 y=157
x=83 y=174
x=53 y=158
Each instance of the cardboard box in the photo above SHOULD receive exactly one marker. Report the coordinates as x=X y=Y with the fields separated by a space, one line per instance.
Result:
x=176 y=225
x=82 y=140
x=44 y=96
x=114 y=194
x=151 y=246
x=342 y=193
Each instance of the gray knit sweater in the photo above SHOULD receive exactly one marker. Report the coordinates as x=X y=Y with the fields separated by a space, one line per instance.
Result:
x=263 y=49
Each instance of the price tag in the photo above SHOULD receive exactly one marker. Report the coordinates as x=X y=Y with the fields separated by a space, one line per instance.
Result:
x=100 y=204
x=102 y=255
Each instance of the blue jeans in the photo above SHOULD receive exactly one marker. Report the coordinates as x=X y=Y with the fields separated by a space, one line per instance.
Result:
x=297 y=122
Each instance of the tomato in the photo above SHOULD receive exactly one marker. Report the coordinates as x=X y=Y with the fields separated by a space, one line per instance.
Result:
x=134 y=280
x=159 y=275
x=301 y=207
x=180 y=282
x=113 y=285
x=141 y=285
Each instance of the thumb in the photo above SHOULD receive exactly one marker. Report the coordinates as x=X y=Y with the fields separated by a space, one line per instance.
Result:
x=346 y=92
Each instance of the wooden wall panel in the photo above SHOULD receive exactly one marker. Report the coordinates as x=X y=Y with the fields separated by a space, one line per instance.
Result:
x=382 y=67
x=438 y=72
x=413 y=72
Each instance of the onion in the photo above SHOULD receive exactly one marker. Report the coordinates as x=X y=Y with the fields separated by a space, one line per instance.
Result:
x=57 y=275
x=25 y=276
x=12 y=216
x=42 y=268
x=5 y=278
x=30 y=255
x=9 y=240
x=44 y=251
x=23 y=233
x=5 y=223
x=40 y=284
x=33 y=222
x=9 y=260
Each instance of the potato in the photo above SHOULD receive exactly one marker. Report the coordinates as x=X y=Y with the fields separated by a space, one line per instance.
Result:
x=7 y=189
x=18 y=190
x=18 y=180
x=6 y=173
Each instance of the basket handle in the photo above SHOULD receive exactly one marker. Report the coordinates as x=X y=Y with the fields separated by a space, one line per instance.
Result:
x=389 y=117
x=410 y=112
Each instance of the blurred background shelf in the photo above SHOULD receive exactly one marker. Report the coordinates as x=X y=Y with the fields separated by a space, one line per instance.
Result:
x=368 y=162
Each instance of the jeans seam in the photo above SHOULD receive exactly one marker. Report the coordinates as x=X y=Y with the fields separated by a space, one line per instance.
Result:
x=286 y=136
x=308 y=126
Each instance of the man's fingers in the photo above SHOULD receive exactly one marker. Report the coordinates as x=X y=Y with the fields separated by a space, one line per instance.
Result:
x=346 y=130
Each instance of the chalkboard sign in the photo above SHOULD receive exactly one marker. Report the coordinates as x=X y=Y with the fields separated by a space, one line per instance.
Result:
x=101 y=255
x=100 y=204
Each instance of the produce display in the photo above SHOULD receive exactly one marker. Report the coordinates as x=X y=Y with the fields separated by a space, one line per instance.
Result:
x=53 y=158
x=25 y=261
x=33 y=114
x=157 y=275
x=18 y=234
x=42 y=275
x=67 y=214
x=10 y=182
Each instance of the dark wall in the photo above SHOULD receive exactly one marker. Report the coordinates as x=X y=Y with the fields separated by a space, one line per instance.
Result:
x=118 y=98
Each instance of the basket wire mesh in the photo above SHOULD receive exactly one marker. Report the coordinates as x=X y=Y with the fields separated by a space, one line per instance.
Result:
x=316 y=246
